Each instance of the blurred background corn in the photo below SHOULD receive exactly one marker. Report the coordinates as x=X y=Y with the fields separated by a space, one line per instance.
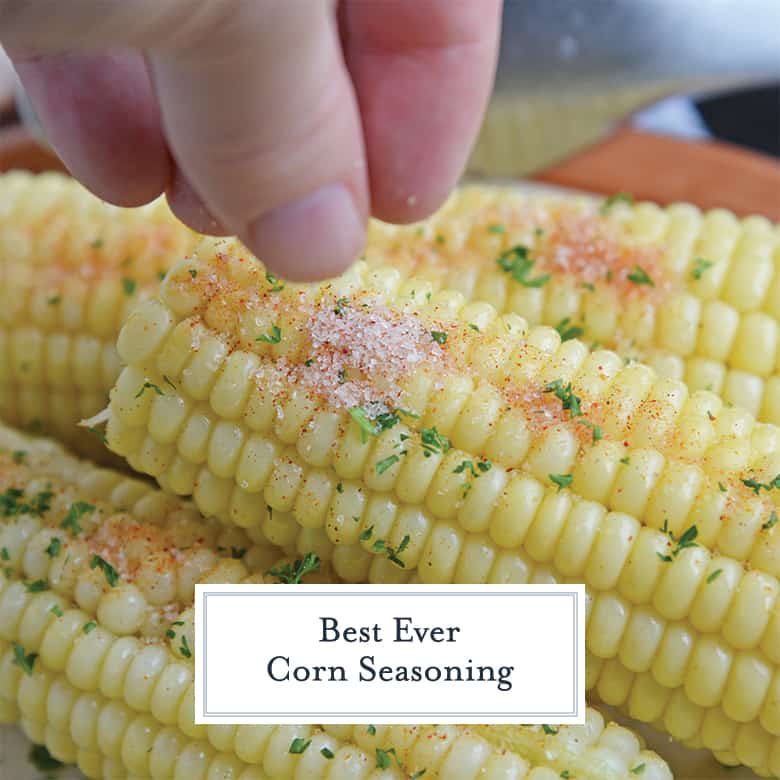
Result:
x=695 y=295
x=71 y=268
x=96 y=649
x=405 y=435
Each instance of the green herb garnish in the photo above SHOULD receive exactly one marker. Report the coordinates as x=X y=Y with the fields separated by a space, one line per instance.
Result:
x=298 y=745
x=640 y=276
x=292 y=574
x=568 y=331
x=75 y=513
x=561 y=480
x=517 y=262
x=700 y=265
x=111 y=574
x=25 y=661
x=274 y=337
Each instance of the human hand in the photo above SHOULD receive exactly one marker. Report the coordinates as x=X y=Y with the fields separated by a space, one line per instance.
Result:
x=285 y=122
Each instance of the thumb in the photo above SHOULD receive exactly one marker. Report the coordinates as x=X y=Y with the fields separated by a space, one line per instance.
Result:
x=261 y=114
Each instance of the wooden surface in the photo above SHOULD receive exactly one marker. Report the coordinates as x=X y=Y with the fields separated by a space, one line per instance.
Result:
x=664 y=169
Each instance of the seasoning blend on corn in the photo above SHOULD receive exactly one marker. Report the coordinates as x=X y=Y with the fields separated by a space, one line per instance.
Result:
x=402 y=433
x=96 y=649
x=71 y=268
x=696 y=296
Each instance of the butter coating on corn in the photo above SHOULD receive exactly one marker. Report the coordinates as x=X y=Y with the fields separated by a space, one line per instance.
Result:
x=695 y=295
x=71 y=269
x=96 y=649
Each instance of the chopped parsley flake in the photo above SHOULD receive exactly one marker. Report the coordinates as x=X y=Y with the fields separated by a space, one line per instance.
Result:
x=341 y=304
x=276 y=285
x=714 y=576
x=367 y=534
x=371 y=730
x=237 y=552
x=722 y=487
x=367 y=428
x=772 y=520
x=757 y=487
x=168 y=382
x=97 y=243
x=274 y=337
x=25 y=661
x=193 y=273
x=381 y=546
x=700 y=265
x=42 y=760
x=640 y=276
x=4 y=554
x=292 y=574
x=598 y=434
x=496 y=229
x=129 y=285
x=97 y=432
x=37 y=586
x=55 y=610
x=474 y=327
x=339 y=487
x=75 y=513
x=618 y=197
x=18 y=456
x=88 y=628
x=185 y=647
x=439 y=336
x=383 y=758
x=111 y=574
x=567 y=398
x=561 y=480
x=149 y=386
x=327 y=752
x=54 y=300
x=161 y=275
x=549 y=729
x=383 y=465
x=433 y=442
x=10 y=504
x=517 y=262
x=687 y=539
x=566 y=775
x=568 y=331
x=55 y=545
x=626 y=461
x=298 y=745
x=638 y=769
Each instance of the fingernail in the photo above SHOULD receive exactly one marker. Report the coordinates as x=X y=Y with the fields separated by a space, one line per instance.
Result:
x=313 y=238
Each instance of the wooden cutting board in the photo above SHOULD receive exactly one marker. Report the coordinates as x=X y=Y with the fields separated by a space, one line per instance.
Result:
x=664 y=169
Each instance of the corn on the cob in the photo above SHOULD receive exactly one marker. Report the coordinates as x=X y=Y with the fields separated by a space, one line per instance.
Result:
x=400 y=433
x=694 y=295
x=71 y=268
x=96 y=650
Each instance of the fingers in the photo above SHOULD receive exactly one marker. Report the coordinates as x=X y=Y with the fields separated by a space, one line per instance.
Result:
x=423 y=71
x=262 y=117
x=257 y=109
x=99 y=113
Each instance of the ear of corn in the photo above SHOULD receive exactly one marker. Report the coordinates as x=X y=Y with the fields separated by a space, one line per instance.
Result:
x=696 y=296
x=496 y=453
x=96 y=646
x=71 y=268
